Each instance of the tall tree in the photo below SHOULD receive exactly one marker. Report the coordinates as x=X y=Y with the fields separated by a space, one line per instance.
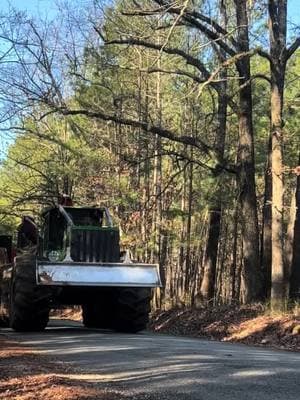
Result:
x=295 y=269
x=194 y=79
x=278 y=57
x=238 y=51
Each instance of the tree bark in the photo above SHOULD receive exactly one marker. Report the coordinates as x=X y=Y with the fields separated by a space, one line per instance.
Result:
x=289 y=241
x=207 y=289
x=295 y=268
x=266 y=242
x=233 y=266
x=246 y=174
x=189 y=229
x=277 y=29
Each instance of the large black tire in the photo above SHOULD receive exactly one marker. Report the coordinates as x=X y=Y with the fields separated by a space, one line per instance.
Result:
x=132 y=307
x=97 y=312
x=29 y=303
x=4 y=322
x=89 y=316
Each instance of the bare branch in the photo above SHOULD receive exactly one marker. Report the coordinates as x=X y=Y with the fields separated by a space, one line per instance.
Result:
x=195 y=62
x=261 y=76
x=177 y=19
x=164 y=133
x=264 y=54
x=193 y=19
x=293 y=47
x=199 y=16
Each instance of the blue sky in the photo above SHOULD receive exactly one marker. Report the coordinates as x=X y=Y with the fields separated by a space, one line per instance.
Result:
x=34 y=7
x=294 y=9
x=41 y=6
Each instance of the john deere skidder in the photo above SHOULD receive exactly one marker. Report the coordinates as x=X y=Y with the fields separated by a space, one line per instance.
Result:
x=74 y=260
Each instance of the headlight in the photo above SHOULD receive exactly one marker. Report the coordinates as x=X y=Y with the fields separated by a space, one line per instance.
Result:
x=54 y=255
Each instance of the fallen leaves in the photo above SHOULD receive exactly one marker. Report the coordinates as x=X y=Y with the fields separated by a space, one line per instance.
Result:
x=243 y=324
x=27 y=375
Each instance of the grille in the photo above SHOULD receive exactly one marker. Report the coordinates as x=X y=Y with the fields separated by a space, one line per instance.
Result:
x=95 y=245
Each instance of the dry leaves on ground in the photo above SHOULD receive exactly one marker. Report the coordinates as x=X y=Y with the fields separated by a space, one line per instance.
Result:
x=27 y=375
x=243 y=324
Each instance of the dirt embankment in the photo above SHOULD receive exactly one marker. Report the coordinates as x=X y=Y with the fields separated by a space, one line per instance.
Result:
x=243 y=324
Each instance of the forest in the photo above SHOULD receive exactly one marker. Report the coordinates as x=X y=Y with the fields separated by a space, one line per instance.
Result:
x=180 y=116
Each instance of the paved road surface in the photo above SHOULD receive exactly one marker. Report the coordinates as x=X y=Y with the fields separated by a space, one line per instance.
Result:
x=149 y=366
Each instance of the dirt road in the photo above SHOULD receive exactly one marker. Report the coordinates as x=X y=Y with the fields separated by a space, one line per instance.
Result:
x=150 y=366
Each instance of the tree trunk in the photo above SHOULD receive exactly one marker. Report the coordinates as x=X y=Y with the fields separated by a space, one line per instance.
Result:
x=246 y=173
x=215 y=210
x=210 y=260
x=277 y=27
x=189 y=229
x=266 y=242
x=289 y=241
x=295 y=269
x=182 y=248
x=146 y=178
x=207 y=289
x=233 y=266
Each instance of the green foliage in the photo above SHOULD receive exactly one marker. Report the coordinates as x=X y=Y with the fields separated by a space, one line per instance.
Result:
x=156 y=196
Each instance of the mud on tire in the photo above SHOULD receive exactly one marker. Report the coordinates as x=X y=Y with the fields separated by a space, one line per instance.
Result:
x=30 y=303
